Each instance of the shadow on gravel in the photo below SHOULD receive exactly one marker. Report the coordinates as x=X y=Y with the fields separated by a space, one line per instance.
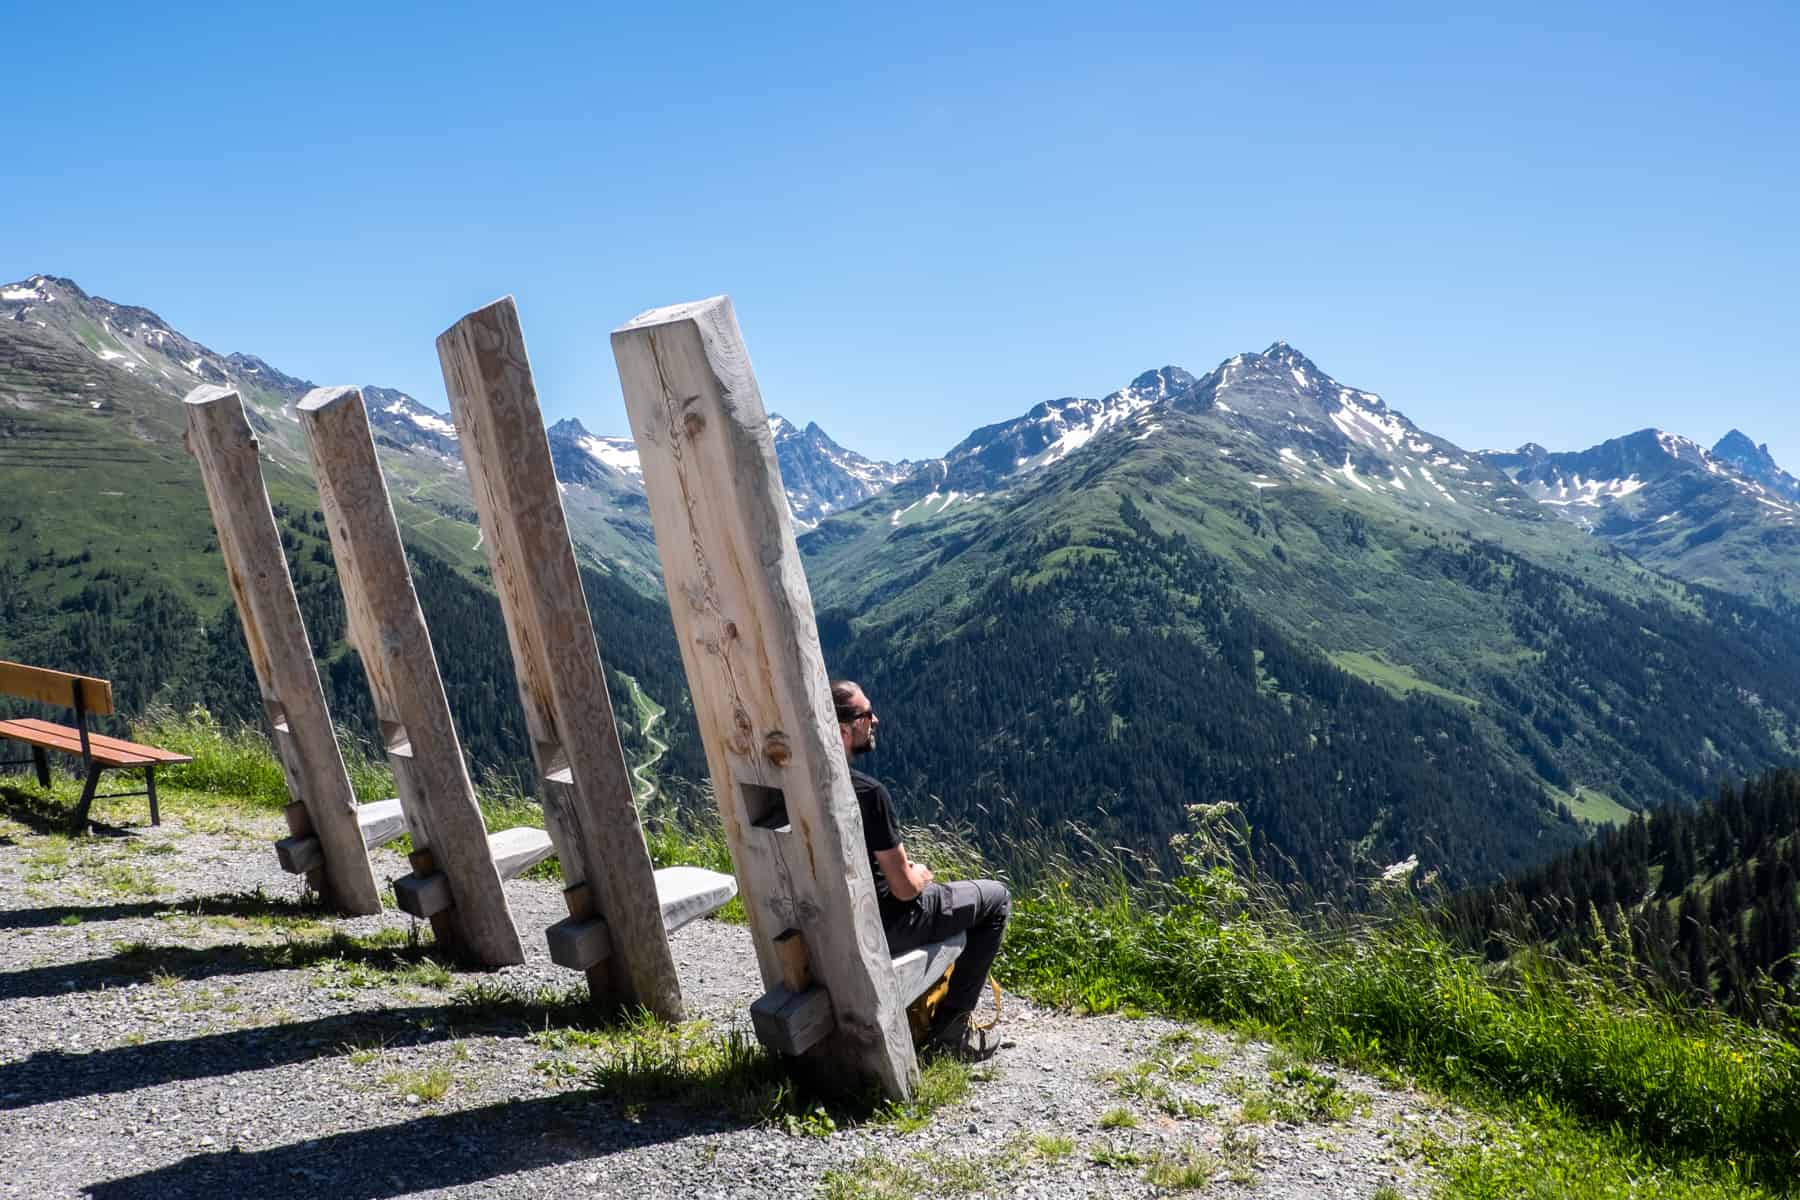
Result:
x=42 y=813
x=142 y=963
x=52 y=1075
x=236 y=904
x=421 y=1155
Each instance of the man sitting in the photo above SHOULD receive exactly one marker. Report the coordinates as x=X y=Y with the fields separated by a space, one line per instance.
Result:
x=915 y=910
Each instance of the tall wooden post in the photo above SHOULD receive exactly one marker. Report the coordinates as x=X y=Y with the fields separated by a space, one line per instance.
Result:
x=744 y=619
x=324 y=809
x=582 y=774
x=454 y=880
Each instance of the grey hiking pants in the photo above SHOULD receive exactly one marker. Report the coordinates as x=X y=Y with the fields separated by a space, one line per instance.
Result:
x=978 y=907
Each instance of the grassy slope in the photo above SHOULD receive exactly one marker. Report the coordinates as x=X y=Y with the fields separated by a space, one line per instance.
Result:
x=1590 y=1089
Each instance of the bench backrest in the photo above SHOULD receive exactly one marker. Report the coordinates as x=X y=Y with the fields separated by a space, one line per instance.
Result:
x=55 y=687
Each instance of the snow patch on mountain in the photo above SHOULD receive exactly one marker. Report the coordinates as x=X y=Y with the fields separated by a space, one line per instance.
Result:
x=421 y=416
x=618 y=453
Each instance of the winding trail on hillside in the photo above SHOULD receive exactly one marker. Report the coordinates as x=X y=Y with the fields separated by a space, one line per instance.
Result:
x=649 y=712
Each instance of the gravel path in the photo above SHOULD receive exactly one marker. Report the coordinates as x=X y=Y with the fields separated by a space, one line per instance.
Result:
x=173 y=1024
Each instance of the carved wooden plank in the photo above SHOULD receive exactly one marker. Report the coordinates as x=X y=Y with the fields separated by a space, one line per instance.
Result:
x=388 y=630
x=744 y=620
x=923 y=966
x=381 y=821
x=689 y=893
x=517 y=850
x=583 y=779
x=220 y=439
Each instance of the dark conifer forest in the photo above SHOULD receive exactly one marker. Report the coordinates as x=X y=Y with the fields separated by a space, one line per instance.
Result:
x=1705 y=901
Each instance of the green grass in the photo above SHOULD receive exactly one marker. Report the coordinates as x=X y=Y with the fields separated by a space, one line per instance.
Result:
x=1691 y=1091
x=1397 y=678
x=1583 y=1087
x=238 y=762
x=1596 y=808
x=419 y=1087
x=1184 y=1169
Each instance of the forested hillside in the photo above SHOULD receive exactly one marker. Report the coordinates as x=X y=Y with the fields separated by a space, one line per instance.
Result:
x=158 y=649
x=1705 y=900
x=1134 y=682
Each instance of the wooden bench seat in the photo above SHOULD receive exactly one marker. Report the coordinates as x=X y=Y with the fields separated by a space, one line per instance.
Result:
x=379 y=822
x=685 y=894
x=798 y=1015
x=107 y=751
x=85 y=696
x=916 y=970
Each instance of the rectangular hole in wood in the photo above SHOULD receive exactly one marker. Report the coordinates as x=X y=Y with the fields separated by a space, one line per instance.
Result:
x=556 y=763
x=277 y=715
x=765 y=807
x=395 y=738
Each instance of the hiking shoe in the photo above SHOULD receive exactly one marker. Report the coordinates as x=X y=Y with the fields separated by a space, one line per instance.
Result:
x=957 y=1037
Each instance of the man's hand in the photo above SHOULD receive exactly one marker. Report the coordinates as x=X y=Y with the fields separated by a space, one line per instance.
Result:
x=905 y=878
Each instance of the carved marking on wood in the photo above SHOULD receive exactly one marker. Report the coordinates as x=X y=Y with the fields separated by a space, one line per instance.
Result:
x=387 y=628
x=324 y=806
x=749 y=643
x=589 y=810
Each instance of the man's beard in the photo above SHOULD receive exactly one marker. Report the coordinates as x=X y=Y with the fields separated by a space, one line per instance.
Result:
x=863 y=745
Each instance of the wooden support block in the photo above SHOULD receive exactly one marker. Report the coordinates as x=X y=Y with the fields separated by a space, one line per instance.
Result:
x=220 y=439
x=515 y=851
x=299 y=823
x=796 y=972
x=589 y=809
x=749 y=642
x=381 y=821
x=424 y=897
x=385 y=625
x=579 y=945
x=689 y=893
x=298 y=855
x=793 y=1023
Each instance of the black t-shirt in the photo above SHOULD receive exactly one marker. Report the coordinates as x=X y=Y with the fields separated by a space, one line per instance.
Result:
x=880 y=831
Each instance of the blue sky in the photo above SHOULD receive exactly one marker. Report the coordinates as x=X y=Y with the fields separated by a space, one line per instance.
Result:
x=1554 y=224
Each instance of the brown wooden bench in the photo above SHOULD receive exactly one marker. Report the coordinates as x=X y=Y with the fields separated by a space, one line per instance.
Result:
x=87 y=697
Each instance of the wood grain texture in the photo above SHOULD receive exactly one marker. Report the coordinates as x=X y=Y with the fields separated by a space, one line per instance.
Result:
x=517 y=850
x=107 y=751
x=221 y=441
x=584 y=781
x=381 y=821
x=55 y=687
x=385 y=625
x=744 y=620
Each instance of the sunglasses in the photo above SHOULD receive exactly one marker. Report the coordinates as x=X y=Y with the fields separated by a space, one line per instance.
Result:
x=845 y=717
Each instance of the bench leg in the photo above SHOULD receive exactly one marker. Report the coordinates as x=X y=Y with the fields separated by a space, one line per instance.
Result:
x=150 y=788
x=80 y=819
x=41 y=759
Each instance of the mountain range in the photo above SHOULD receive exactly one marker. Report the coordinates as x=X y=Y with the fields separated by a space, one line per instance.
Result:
x=1256 y=585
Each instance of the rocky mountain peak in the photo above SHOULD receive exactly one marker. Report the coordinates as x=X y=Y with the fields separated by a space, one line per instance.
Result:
x=568 y=427
x=1754 y=461
x=1161 y=383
